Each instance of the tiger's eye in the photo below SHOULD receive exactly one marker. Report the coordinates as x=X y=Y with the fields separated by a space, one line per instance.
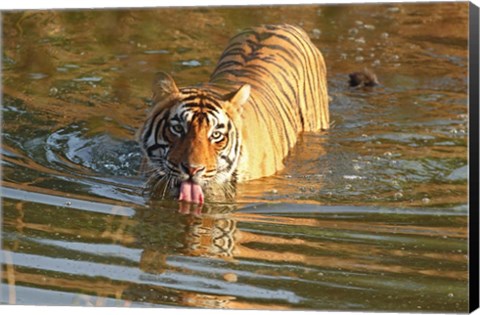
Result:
x=217 y=135
x=178 y=129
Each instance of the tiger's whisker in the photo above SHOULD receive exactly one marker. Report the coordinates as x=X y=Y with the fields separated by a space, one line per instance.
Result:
x=169 y=178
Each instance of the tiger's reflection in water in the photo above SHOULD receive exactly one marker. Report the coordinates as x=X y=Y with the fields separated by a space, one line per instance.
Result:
x=202 y=231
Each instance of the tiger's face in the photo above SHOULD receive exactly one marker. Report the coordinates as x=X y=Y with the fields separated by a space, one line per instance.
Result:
x=192 y=141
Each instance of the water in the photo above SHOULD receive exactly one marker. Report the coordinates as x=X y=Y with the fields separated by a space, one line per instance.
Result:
x=371 y=215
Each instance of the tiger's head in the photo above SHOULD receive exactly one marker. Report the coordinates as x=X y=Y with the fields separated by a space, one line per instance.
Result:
x=192 y=140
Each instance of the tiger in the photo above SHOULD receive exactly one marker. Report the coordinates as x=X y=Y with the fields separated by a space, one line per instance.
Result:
x=200 y=141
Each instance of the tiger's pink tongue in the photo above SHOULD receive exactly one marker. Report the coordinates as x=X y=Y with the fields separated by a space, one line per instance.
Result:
x=191 y=192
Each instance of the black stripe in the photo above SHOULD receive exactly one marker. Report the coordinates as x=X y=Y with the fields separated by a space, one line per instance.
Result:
x=176 y=118
x=230 y=163
x=192 y=97
x=164 y=135
x=247 y=31
x=152 y=124
x=228 y=63
x=214 y=102
x=303 y=55
x=272 y=92
x=309 y=76
x=201 y=105
x=156 y=146
x=227 y=159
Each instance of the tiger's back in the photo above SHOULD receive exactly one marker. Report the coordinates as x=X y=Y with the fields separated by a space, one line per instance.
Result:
x=287 y=75
x=268 y=86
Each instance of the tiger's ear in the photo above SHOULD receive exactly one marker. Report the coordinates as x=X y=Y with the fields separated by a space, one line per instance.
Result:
x=163 y=87
x=238 y=98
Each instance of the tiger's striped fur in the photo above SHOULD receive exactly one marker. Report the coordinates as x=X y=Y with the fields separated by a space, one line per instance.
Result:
x=268 y=86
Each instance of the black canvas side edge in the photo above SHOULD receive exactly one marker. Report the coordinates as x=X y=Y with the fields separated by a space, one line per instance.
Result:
x=473 y=88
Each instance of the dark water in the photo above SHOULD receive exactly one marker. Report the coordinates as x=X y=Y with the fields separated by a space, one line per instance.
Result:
x=371 y=215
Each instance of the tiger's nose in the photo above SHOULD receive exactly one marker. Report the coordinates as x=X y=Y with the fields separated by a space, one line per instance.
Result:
x=191 y=169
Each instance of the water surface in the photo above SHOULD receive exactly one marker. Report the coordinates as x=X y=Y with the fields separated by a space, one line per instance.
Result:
x=371 y=215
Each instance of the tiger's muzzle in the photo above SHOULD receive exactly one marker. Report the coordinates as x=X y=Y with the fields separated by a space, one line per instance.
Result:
x=190 y=188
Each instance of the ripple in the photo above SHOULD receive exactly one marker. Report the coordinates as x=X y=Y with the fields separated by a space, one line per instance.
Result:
x=37 y=75
x=191 y=63
x=100 y=153
x=88 y=79
x=156 y=52
x=459 y=174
